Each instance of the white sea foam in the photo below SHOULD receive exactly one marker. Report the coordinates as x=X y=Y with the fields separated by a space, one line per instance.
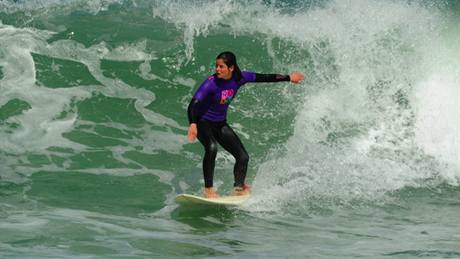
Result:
x=92 y=6
x=194 y=18
x=438 y=120
x=355 y=136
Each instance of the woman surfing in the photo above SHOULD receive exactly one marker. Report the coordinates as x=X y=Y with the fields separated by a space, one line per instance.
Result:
x=207 y=115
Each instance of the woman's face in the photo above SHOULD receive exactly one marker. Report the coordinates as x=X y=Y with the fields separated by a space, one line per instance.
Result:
x=222 y=70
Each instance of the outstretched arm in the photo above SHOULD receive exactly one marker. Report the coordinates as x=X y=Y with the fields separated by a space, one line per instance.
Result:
x=271 y=78
x=295 y=77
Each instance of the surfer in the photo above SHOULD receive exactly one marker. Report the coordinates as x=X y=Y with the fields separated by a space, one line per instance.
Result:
x=207 y=114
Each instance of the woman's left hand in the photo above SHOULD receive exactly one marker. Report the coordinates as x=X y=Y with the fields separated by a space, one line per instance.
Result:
x=296 y=77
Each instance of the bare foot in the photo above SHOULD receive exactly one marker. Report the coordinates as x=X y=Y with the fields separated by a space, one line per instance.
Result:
x=239 y=191
x=210 y=193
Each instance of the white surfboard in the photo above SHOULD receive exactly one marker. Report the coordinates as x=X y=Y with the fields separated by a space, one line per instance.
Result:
x=223 y=200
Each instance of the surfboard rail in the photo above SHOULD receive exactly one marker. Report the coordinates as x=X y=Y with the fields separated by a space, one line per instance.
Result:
x=185 y=198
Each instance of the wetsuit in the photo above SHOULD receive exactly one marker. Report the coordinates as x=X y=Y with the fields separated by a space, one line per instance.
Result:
x=208 y=109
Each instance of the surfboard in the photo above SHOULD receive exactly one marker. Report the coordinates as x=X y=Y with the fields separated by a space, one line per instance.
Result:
x=223 y=200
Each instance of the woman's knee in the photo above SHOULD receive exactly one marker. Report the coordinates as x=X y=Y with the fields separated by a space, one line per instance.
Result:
x=211 y=149
x=243 y=158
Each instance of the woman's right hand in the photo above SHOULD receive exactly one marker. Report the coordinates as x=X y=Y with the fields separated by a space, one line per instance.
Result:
x=192 y=133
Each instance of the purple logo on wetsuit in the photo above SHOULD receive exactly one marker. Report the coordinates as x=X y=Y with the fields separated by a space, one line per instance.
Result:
x=227 y=96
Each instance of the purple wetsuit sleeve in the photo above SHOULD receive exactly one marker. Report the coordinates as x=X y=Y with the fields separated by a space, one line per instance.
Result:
x=206 y=89
x=198 y=102
x=248 y=76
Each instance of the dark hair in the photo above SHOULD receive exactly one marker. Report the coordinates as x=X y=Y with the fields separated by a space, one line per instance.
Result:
x=230 y=60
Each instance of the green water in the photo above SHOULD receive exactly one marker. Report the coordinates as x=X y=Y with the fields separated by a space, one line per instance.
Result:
x=360 y=160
